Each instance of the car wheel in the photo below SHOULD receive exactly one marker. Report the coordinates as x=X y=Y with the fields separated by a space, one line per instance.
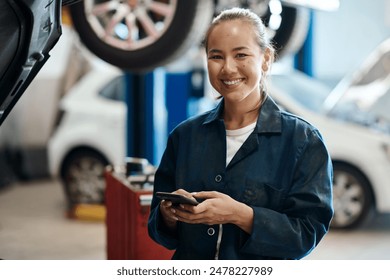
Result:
x=140 y=35
x=290 y=35
x=83 y=177
x=352 y=197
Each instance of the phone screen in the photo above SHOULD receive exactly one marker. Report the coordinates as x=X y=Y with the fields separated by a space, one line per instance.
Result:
x=176 y=198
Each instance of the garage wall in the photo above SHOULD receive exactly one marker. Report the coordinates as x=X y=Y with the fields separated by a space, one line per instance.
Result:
x=342 y=39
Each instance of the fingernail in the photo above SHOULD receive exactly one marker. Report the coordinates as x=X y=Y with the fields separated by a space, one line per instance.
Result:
x=173 y=210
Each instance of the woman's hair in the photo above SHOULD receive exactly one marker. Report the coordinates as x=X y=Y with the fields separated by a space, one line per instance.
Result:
x=259 y=29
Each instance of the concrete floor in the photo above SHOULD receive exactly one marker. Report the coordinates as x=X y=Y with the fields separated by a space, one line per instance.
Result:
x=34 y=226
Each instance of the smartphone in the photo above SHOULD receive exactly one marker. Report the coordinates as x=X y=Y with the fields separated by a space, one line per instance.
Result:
x=176 y=198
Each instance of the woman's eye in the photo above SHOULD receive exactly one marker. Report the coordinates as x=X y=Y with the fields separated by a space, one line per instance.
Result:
x=215 y=57
x=240 y=55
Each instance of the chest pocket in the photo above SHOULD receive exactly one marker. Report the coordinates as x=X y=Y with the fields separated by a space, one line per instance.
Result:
x=262 y=195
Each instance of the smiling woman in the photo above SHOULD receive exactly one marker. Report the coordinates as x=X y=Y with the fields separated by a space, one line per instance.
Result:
x=256 y=168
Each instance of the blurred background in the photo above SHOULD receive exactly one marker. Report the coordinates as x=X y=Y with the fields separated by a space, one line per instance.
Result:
x=101 y=100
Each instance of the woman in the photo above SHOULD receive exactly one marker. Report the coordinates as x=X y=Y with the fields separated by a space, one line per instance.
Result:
x=264 y=176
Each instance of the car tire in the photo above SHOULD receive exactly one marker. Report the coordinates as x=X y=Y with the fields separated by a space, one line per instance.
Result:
x=293 y=30
x=184 y=28
x=352 y=197
x=82 y=175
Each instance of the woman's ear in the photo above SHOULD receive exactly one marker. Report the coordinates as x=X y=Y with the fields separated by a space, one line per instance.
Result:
x=266 y=60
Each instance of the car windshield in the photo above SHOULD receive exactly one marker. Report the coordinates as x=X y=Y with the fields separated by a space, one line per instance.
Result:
x=364 y=97
x=307 y=91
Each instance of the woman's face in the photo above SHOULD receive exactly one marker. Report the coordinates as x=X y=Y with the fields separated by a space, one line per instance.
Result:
x=234 y=60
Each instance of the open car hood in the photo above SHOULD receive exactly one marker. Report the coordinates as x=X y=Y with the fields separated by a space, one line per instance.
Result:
x=28 y=31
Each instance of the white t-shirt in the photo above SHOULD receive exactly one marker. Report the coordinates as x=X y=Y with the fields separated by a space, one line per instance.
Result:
x=235 y=138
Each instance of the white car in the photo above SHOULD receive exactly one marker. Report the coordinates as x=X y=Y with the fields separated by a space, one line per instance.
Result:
x=360 y=153
x=90 y=134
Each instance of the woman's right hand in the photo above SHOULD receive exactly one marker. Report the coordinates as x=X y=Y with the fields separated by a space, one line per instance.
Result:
x=168 y=211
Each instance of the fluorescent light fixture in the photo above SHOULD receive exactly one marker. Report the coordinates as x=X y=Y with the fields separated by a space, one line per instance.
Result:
x=325 y=5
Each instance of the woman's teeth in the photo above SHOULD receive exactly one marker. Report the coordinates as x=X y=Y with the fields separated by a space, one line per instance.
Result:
x=233 y=82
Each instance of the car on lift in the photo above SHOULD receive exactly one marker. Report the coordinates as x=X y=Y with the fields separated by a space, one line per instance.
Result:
x=359 y=147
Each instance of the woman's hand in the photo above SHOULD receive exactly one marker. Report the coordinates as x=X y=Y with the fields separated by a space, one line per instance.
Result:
x=168 y=210
x=217 y=208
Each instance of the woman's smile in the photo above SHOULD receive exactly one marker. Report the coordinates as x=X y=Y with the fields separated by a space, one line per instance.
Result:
x=232 y=82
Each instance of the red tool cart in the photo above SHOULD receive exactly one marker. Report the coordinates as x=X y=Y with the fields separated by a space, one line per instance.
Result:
x=128 y=202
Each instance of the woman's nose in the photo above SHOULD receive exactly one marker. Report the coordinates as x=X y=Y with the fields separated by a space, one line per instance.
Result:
x=229 y=65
